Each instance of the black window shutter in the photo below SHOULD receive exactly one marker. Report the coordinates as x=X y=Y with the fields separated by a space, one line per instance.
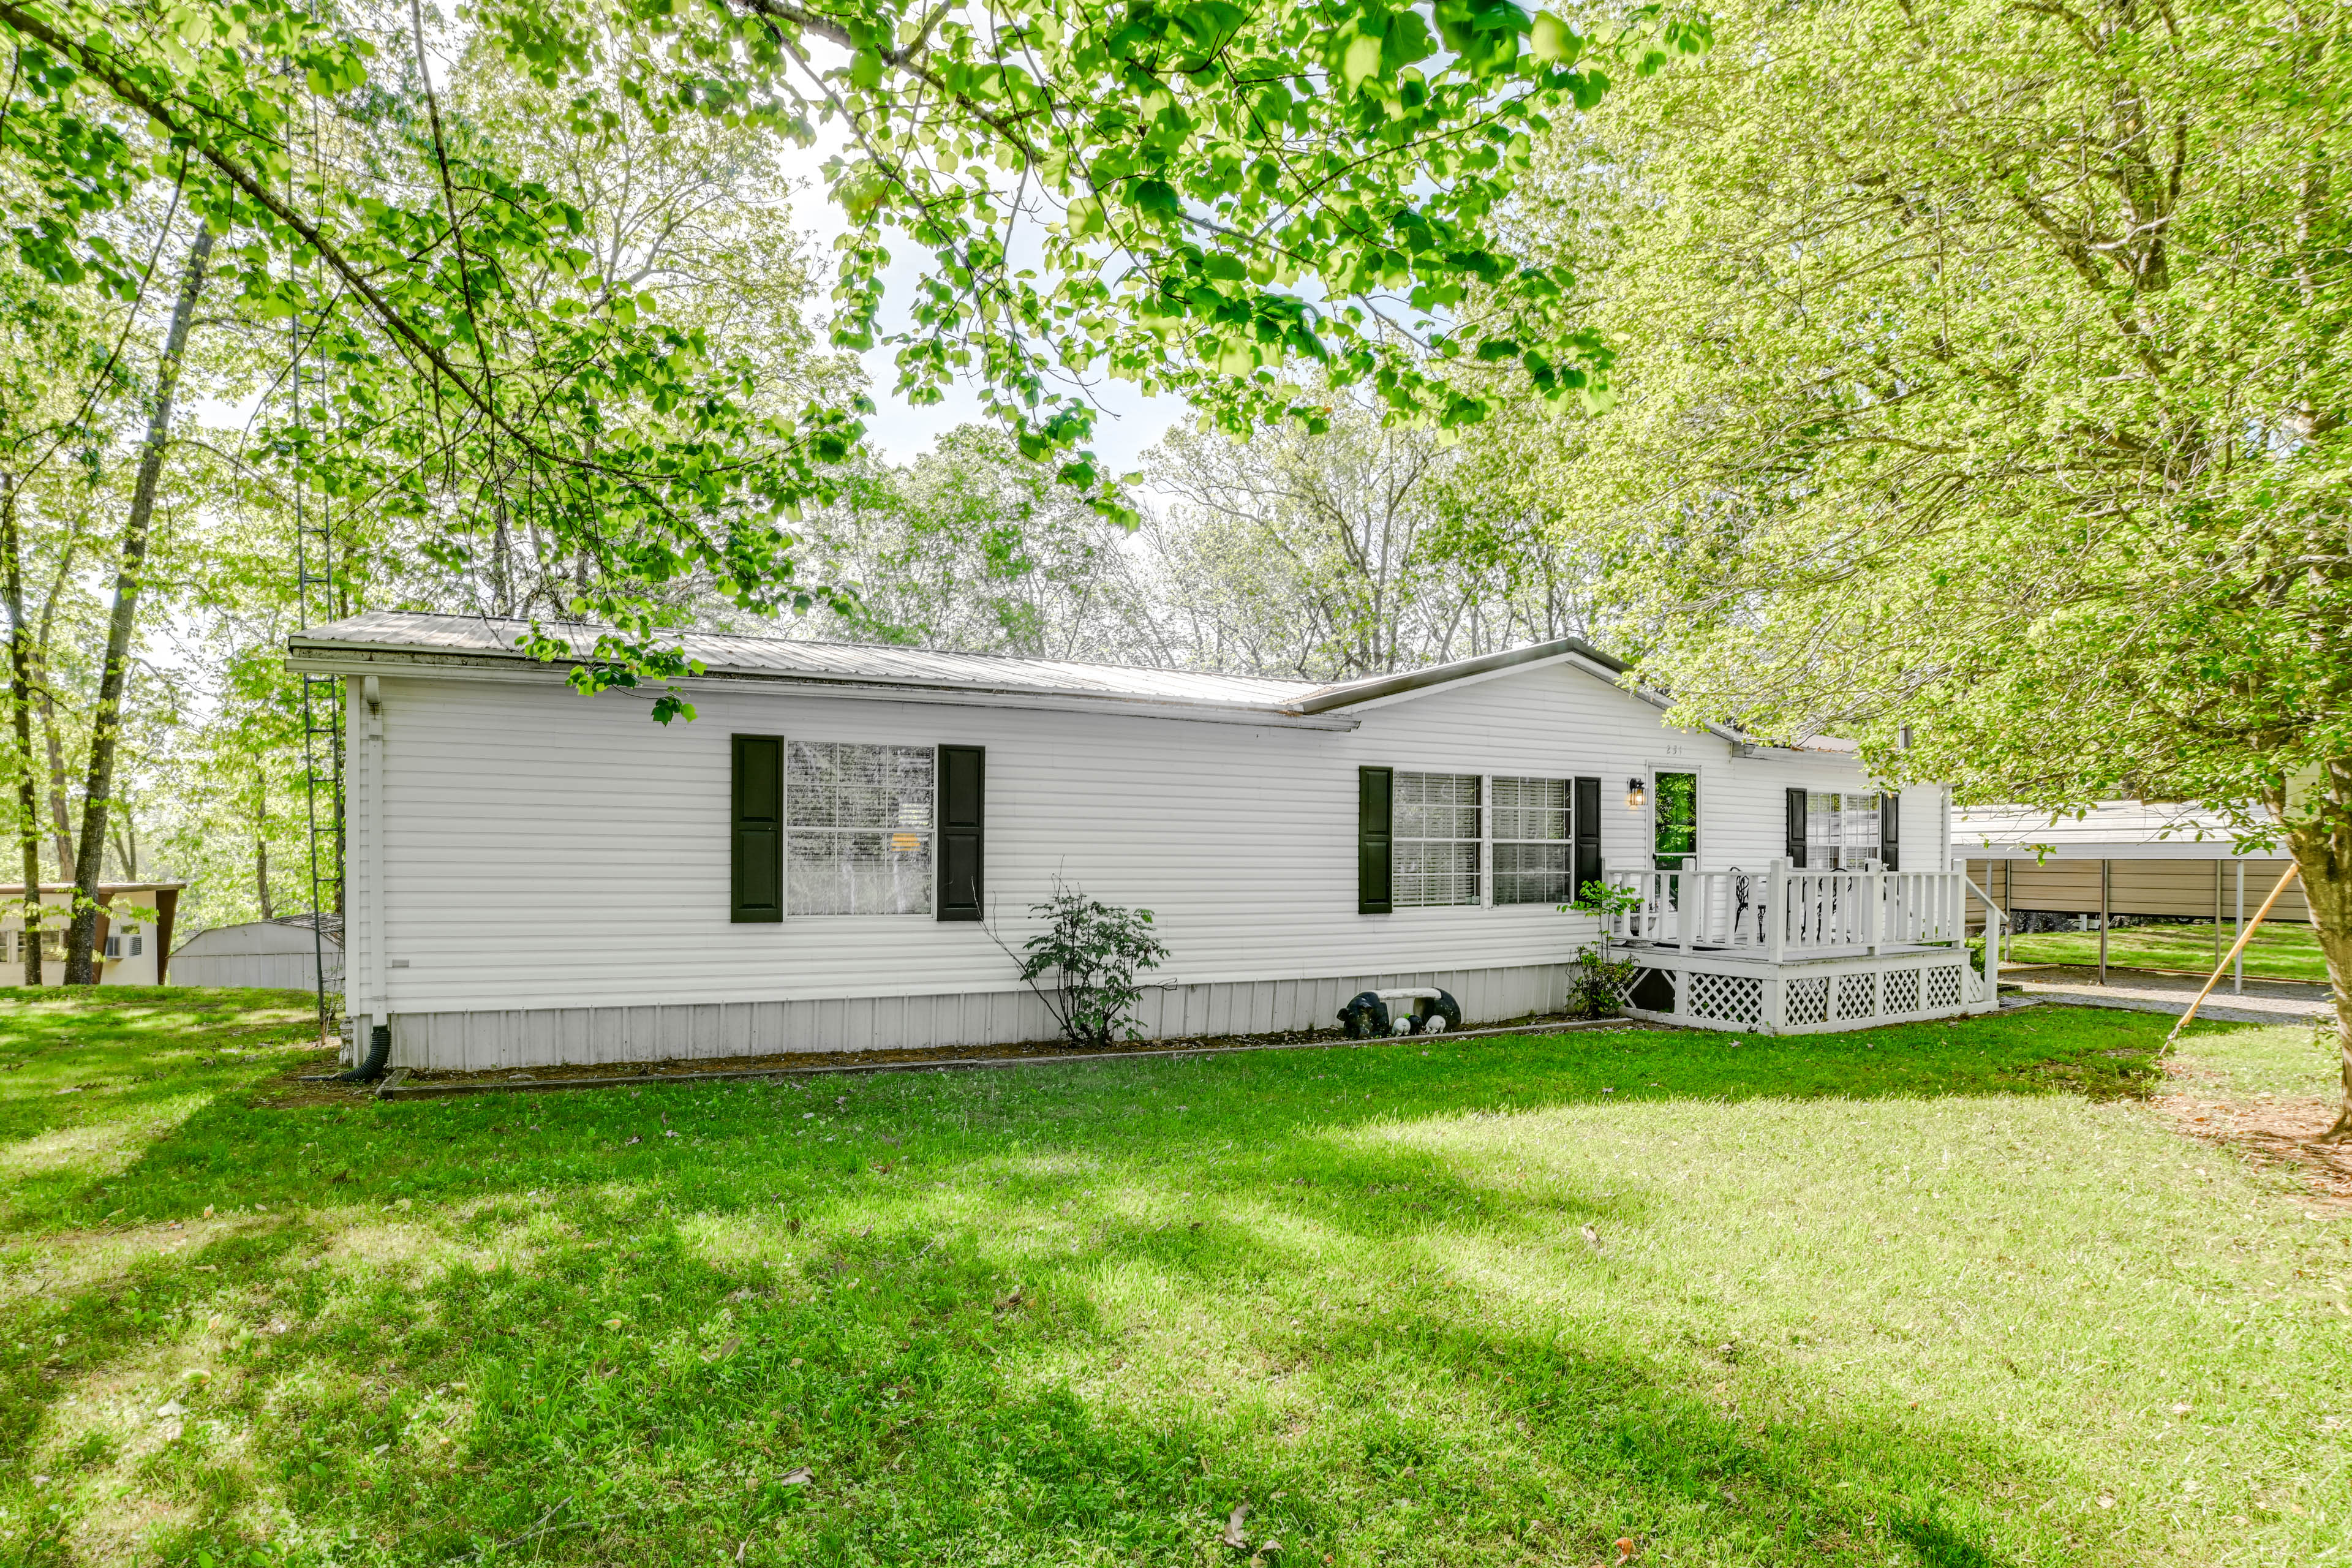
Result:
x=1587 y=826
x=1797 y=829
x=1890 y=830
x=963 y=824
x=1375 y=796
x=756 y=832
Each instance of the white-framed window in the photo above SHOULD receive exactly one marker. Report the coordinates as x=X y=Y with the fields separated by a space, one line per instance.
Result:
x=1840 y=829
x=858 y=822
x=1532 y=851
x=113 y=946
x=1436 y=836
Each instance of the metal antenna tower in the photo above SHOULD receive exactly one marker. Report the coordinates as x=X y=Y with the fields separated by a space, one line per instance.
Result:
x=317 y=600
x=322 y=723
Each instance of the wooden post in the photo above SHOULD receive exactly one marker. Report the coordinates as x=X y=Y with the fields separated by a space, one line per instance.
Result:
x=2237 y=948
x=2216 y=914
x=1776 y=912
x=2102 y=920
x=1874 y=913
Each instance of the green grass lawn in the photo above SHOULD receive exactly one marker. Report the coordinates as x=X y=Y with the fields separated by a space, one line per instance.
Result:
x=1944 y=1295
x=2276 y=953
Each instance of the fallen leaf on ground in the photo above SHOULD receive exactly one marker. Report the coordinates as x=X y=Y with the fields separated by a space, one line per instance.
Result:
x=1233 y=1536
x=1592 y=1238
x=798 y=1476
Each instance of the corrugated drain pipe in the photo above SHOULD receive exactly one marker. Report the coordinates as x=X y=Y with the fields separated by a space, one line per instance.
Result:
x=379 y=1052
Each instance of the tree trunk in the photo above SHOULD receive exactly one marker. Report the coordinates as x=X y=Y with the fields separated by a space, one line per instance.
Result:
x=107 y=721
x=20 y=715
x=40 y=661
x=2320 y=834
x=62 y=823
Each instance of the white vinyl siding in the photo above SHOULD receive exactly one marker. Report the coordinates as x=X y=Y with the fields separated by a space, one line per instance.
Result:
x=858 y=822
x=1435 y=829
x=1239 y=838
x=1531 y=840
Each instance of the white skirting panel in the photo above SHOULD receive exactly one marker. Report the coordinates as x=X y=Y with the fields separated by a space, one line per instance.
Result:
x=687 y=1031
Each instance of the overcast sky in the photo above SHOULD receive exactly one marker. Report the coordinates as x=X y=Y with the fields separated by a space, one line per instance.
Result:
x=1129 y=423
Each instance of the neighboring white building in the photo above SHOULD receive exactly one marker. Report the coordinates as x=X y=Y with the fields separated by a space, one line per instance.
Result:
x=135 y=932
x=280 y=954
x=813 y=862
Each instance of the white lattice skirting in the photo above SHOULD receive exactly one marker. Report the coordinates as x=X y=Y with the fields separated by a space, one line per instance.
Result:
x=1816 y=997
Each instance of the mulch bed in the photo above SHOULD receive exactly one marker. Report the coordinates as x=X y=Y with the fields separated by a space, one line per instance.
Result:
x=2275 y=1134
x=291 y=1091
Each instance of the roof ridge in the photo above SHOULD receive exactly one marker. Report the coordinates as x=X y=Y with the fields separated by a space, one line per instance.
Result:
x=1305 y=685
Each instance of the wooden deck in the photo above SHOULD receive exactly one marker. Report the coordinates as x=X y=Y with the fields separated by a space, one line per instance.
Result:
x=1789 y=951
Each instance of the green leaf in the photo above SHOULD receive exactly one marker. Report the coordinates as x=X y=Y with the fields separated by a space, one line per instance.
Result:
x=1553 y=41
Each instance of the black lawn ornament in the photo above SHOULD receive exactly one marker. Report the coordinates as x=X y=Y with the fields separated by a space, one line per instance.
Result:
x=1412 y=1010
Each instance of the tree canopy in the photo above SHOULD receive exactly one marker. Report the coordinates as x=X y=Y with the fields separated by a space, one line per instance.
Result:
x=1189 y=197
x=1981 y=391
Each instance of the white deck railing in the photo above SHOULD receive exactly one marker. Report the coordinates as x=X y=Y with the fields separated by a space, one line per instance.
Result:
x=1783 y=913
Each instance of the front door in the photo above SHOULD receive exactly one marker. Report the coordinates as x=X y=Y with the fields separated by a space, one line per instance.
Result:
x=1676 y=822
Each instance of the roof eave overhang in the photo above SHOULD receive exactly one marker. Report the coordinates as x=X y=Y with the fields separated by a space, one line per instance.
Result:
x=2155 y=849
x=1358 y=693
x=1574 y=651
x=308 y=658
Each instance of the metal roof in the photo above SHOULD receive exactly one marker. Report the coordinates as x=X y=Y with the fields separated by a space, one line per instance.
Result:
x=473 y=639
x=412 y=639
x=2111 y=830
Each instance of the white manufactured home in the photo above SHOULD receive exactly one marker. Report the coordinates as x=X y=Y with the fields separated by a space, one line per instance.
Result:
x=135 y=932
x=836 y=851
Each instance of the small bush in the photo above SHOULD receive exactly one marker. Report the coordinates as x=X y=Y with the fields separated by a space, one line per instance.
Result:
x=1092 y=950
x=1597 y=989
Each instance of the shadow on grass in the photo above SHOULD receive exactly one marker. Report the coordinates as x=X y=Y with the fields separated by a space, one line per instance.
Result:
x=655 y=1398
x=906 y=1375
x=233 y=1152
